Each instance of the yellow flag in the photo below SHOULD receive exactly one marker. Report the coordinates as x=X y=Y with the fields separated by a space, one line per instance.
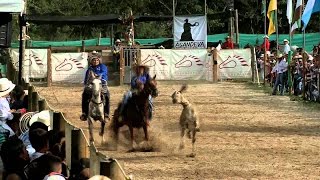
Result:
x=272 y=16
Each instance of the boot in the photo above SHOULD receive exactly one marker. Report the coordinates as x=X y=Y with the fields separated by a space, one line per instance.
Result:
x=83 y=117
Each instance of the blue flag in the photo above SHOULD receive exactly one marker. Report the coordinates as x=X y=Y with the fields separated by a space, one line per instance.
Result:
x=312 y=6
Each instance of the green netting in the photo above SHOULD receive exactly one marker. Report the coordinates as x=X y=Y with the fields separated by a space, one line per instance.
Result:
x=311 y=39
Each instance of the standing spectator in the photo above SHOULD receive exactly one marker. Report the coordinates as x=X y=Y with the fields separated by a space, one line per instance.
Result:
x=266 y=43
x=279 y=69
x=228 y=44
x=286 y=47
x=19 y=100
x=116 y=54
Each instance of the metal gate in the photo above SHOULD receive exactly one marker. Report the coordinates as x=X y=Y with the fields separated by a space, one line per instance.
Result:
x=129 y=56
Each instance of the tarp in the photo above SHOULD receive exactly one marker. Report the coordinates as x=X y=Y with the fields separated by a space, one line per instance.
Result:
x=311 y=39
x=12 y=6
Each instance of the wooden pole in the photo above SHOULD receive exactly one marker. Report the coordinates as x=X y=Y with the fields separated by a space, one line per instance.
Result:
x=237 y=26
x=304 y=59
x=79 y=147
x=83 y=49
x=30 y=92
x=58 y=122
x=49 y=67
x=42 y=105
x=121 y=66
x=35 y=101
x=215 y=72
x=253 y=64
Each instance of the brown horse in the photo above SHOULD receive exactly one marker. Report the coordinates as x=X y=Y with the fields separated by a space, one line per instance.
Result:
x=136 y=112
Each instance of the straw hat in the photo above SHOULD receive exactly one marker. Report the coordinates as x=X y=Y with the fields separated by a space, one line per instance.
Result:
x=45 y=117
x=310 y=58
x=279 y=56
x=6 y=86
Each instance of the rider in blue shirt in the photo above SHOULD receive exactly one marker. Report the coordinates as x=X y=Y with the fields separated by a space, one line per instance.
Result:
x=101 y=70
x=142 y=76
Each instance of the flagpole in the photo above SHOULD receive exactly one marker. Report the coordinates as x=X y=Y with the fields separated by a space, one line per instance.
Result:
x=265 y=43
x=277 y=33
x=304 y=30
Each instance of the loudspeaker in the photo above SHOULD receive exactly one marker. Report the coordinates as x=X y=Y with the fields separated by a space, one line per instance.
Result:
x=5 y=30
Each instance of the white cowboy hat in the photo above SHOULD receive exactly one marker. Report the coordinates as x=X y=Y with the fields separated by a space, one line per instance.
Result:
x=118 y=40
x=45 y=117
x=99 y=177
x=310 y=58
x=279 y=56
x=285 y=40
x=262 y=55
x=266 y=36
x=6 y=86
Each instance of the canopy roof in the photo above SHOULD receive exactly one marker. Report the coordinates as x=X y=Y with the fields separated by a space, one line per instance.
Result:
x=12 y=6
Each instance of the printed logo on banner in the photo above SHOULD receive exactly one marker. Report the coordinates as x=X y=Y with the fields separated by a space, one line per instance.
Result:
x=231 y=62
x=28 y=60
x=151 y=60
x=188 y=61
x=190 y=32
x=66 y=65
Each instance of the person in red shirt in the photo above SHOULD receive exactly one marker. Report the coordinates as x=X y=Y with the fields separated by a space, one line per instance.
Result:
x=266 y=43
x=228 y=44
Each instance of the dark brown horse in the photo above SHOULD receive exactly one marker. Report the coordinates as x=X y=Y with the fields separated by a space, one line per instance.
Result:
x=136 y=112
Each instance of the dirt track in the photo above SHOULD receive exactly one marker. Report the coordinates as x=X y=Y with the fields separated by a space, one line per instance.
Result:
x=245 y=133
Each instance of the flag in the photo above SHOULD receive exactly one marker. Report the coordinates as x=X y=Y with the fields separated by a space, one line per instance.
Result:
x=272 y=10
x=297 y=16
x=312 y=6
x=289 y=11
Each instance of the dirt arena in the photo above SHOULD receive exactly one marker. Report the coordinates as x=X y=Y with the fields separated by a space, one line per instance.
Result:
x=245 y=133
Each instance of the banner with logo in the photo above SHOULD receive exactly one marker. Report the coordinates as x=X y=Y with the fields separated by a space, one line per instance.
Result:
x=34 y=64
x=190 y=32
x=234 y=64
x=69 y=67
x=170 y=64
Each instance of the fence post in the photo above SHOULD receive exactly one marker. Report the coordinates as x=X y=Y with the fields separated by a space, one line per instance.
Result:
x=253 y=64
x=30 y=92
x=83 y=49
x=121 y=67
x=49 y=67
x=42 y=105
x=94 y=161
x=58 y=122
x=215 y=66
x=79 y=146
x=304 y=59
x=68 y=140
x=35 y=101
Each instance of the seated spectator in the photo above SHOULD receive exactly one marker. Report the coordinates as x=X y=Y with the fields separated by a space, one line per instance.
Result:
x=40 y=120
x=40 y=142
x=6 y=87
x=19 y=100
x=15 y=158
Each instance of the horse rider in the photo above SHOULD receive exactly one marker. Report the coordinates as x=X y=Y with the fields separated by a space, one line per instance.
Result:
x=101 y=70
x=142 y=77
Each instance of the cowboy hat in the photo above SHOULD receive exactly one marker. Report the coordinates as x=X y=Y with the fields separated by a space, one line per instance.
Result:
x=6 y=86
x=118 y=41
x=45 y=117
x=285 y=40
x=310 y=58
x=279 y=56
x=228 y=37
x=266 y=36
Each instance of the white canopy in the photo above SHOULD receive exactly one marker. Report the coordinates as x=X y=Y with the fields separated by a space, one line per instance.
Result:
x=12 y=6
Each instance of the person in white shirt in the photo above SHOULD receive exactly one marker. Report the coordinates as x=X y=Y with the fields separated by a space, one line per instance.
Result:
x=279 y=69
x=286 y=47
x=6 y=87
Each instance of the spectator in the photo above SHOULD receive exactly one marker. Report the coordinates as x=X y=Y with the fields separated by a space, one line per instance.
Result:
x=116 y=54
x=286 y=47
x=14 y=157
x=279 y=69
x=40 y=142
x=266 y=43
x=19 y=100
x=6 y=87
x=228 y=44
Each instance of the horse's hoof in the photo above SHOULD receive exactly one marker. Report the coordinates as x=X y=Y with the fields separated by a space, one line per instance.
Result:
x=189 y=134
x=91 y=140
x=192 y=155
